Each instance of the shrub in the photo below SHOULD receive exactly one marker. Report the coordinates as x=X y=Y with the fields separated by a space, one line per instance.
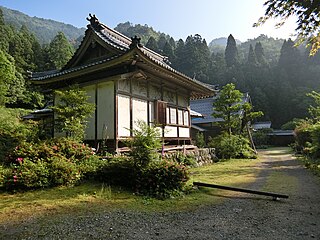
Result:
x=50 y=163
x=162 y=179
x=261 y=138
x=232 y=146
x=145 y=144
x=302 y=136
x=27 y=174
x=184 y=159
x=13 y=131
x=119 y=171
x=199 y=140
x=63 y=172
x=3 y=173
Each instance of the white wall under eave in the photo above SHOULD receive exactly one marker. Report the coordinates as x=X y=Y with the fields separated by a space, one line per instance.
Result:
x=184 y=132
x=105 y=109
x=90 y=129
x=123 y=116
x=139 y=111
x=170 y=131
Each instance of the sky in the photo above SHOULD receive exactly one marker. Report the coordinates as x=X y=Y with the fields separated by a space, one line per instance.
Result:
x=179 y=18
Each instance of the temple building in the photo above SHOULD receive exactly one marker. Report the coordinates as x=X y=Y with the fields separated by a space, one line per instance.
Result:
x=127 y=82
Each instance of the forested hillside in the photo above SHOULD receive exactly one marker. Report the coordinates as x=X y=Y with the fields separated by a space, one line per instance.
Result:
x=275 y=73
x=44 y=29
x=21 y=52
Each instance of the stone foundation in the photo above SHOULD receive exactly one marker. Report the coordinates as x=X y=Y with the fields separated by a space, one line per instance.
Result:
x=203 y=156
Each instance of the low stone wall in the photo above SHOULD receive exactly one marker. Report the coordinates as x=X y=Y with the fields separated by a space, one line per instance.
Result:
x=203 y=156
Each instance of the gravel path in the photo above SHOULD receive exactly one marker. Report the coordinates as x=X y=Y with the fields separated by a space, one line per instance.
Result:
x=239 y=216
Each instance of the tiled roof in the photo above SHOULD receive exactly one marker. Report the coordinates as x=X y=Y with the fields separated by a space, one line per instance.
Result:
x=122 y=44
x=205 y=107
x=38 y=76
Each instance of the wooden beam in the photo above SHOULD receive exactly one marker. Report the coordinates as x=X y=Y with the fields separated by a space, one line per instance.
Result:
x=274 y=195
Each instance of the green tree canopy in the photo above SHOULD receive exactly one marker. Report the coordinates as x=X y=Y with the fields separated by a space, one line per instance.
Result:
x=72 y=112
x=11 y=82
x=231 y=52
x=252 y=60
x=308 y=23
x=60 y=51
x=314 y=110
x=228 y=106
x=235 y=113
x=152 y=44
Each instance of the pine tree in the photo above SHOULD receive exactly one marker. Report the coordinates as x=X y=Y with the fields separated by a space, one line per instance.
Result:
x=227 y=106
x=231 y=52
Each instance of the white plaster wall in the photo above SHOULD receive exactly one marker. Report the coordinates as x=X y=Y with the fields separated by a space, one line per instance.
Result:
x=105 y=108
x=186 y=118
x=139 y=111
x=151 y=112
x=170 y=131
x=184 y=132
x=123 y=116
x=182 y=101
x=90 y=129
x=180 y=117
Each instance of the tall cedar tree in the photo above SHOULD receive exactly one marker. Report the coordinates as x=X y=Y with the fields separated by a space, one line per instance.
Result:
x=252 y=60
x=60 y=51
x=152 y=44
x=231 y=52
x=168 y=51
x=259 y=52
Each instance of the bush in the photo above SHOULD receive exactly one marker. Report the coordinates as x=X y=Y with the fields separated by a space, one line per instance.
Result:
x=302 y=136
x=3 y=173
x=119 y=171
x=261 y=138
x=145 y=144
x=232 y=146
x=50 y=163
x=13 y=131
x=162 y=179
x=199 y=140
x=184 y=159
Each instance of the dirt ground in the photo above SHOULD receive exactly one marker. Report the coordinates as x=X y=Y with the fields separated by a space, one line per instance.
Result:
x=238 y=216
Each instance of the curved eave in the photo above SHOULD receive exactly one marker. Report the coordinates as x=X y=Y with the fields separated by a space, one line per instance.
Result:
x=90 y=35
x=197 y=89
x=82 y=70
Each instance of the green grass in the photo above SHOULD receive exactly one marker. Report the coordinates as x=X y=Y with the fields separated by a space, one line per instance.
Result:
x=94 y=196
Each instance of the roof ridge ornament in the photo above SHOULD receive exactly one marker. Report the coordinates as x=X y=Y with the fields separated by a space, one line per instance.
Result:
x=94 y=22
x=135 y=42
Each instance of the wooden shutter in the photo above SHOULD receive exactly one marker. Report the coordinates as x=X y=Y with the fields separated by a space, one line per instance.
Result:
x=160 y=113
